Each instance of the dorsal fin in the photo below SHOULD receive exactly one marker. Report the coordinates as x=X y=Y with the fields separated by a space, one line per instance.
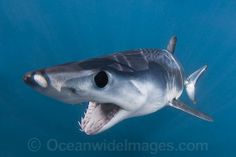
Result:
x=171 y=45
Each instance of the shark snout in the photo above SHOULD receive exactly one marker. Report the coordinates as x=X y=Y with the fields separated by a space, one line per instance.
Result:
x=36 y=80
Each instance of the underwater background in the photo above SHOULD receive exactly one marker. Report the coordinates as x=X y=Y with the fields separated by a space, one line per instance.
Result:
x=41 y=33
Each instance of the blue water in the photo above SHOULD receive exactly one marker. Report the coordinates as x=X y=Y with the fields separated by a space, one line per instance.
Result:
x=41 y=33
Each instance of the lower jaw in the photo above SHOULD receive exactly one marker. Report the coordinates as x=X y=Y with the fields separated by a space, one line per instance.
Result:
x=109 y=110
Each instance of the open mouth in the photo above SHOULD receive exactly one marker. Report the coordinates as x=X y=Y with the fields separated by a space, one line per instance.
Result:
x=97 y=116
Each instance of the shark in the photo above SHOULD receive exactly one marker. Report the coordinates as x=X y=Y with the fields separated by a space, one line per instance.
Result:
x=120 y=86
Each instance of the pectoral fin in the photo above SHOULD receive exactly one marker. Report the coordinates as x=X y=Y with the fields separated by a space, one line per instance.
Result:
x=191 y=82
x=181 y=106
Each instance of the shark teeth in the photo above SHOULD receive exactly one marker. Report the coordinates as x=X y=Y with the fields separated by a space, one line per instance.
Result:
x=96 y=116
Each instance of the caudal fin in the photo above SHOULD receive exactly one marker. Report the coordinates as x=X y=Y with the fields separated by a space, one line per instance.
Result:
x=190 y=82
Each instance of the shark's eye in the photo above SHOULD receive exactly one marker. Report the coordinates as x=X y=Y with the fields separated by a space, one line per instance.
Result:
x=101 y=79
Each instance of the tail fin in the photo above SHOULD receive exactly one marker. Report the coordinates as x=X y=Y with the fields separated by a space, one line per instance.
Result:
x=191 y=81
